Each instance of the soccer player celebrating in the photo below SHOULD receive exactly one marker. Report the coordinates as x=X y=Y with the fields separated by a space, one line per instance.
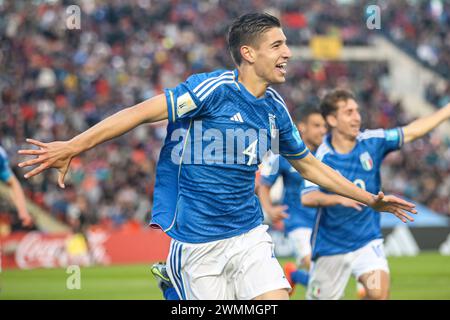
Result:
x=347 y=239
x=298 y=220
x=219 y=247
x=17 y=195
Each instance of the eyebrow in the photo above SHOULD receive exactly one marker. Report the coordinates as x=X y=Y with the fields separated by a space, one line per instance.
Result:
x=351 y=109
x=277 y=42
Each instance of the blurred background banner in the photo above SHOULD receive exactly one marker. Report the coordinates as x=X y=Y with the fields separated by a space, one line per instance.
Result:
x=98 y=247
x=326 y=47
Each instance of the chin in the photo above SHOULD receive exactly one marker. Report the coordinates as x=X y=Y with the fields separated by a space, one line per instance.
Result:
x=354 y=135
x=278 y=80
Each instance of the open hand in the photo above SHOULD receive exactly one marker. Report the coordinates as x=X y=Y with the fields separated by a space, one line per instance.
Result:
x=350 y=203
x=56 y=155
x=278 y=213
x=26 y=220
x=394 y=205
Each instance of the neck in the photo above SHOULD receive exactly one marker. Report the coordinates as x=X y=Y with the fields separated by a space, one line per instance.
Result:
x=342 y=143
x=310 y=146
x=251 y=81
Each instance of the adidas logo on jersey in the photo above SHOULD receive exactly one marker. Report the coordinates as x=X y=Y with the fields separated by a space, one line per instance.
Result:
x=237 y=117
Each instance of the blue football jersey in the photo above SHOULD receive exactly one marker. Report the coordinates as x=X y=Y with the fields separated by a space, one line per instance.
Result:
x=299 y=215
x=339 y=229
x=5 y=170
x=229 y=132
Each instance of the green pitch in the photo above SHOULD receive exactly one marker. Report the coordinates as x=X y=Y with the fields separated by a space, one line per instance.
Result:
x=423 y=277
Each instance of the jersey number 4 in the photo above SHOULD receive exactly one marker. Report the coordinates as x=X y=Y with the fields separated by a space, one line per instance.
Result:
x=251 y=152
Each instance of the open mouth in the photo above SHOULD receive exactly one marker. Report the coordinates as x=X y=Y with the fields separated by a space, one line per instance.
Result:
x=281 y=67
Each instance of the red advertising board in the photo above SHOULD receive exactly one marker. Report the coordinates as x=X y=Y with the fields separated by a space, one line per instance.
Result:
x=99 y=247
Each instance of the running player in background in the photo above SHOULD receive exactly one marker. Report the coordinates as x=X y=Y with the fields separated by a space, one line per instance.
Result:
x=17 y=195
x=219 y=247
x=297 y=219
x=348 y=240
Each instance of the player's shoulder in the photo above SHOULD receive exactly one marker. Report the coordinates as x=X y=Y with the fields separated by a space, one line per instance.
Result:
x=276 y=100
x=204 y=84
x=323 y=151
x=370 y=134
x=209 y=76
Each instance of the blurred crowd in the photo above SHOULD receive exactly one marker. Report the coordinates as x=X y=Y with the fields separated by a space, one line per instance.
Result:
x=55 y=83
x=421 y=28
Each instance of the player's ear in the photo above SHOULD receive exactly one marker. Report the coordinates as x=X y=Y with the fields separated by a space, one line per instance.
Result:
x=331 y=120
x=248 y=54
x=301 y=126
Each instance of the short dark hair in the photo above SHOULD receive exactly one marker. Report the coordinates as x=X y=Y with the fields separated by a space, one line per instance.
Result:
x=304 y=112
x=328 y=105
x=246 y=30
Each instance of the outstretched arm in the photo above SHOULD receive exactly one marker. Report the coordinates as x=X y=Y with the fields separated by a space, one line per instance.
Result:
x=18 y=197
x=422 y=126
x=321 y=174
x=321 y=199
x=58 y=154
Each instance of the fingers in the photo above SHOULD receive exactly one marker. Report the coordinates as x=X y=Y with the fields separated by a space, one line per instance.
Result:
x=362 y=204
x=32 y=162
x=32 y=152
x=353 y=204
x=410 y=208
x=400 y=203
x=61 y=176
x=280 y=216
x=27 y=221
x=280 y=209
x=35 y=171
x=36 y=143
x=378 y=198
x=380 y=195
x=402 y=215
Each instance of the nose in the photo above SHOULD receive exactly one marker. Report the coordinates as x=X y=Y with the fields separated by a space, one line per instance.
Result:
x=287 y=52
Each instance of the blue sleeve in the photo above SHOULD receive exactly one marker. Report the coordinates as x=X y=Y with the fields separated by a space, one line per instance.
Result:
x=393 y=139
x=5 y=170
x=291 y=144
x=383 y=141
x=191 y=99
